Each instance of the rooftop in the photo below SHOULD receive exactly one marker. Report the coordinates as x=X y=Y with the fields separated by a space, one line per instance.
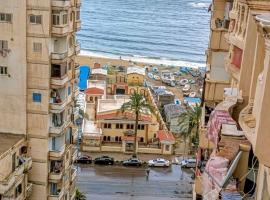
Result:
x=9 y=140
x=105 y=105
x=165 y=136
x=99 y=71
x=136 y=70
x=94 y=90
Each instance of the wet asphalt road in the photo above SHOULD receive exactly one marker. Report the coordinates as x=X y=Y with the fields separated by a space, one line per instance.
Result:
x=129 y=183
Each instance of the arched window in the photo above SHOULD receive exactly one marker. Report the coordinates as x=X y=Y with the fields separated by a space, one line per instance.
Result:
x=109 y=138
x=141 y=139
x=116 y=138
x=155 y=135
x=120 y=139
x=104 y=138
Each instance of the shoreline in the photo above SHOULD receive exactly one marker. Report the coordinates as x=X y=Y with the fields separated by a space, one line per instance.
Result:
x=89 y=58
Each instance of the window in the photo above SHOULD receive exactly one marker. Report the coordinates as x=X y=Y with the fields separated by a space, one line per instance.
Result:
x=78 y=15
x=119 y=126
x=69 y=90
x=65 y=18
x=18 y=190
x=55 y=19
x=141 y=139
x=104 y=138
x=5 y=17
x=37 y=47
x=107 y=125
x=130 y=126
x=36 y=97
x=140 y=126
x=167 y=147
x=13 y=162
x=3 y=45
x=3 y=70
x=35 y=19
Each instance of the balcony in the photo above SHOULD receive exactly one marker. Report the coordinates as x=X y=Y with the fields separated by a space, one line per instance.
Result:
x=58 y=130
x=220 y=25
x=59 y=75
x=214 y=90
x=59 y=55
x=73 y=174
x=77 y=48
x=6 y=184
x=74 y=153
x=25 y=166
x=56 y=176
x=59 y=100
x=61 y=3
x=60 y=30
x=248 y=123
x=232 y=69
x=78 y=25
x=56 y=196
x=29 y=189
x=57 y=153
x=78 y=3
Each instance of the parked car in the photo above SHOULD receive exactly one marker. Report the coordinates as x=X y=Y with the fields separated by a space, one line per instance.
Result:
x=159 y=162
x=132 y=162
x=104 y=160
x=188 y=163
x=84 y=159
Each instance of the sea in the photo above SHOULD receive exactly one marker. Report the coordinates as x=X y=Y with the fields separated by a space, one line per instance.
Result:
x=168 y=32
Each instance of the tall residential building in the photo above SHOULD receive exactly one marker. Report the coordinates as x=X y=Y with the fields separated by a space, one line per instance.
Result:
x=37 y=88
x=237 y=130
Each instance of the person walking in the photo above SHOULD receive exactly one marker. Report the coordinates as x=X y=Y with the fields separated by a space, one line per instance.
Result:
x=147 y=173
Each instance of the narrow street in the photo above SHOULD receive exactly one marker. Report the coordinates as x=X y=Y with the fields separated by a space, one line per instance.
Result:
x=129 y=183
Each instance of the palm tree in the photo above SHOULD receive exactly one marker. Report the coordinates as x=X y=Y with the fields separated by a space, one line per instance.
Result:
x=137 y=105
x=79 y=195
x=189 y=123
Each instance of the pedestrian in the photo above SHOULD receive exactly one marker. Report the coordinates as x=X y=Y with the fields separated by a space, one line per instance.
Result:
x=147 y=173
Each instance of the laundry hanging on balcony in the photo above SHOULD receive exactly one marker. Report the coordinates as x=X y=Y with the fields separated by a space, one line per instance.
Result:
x=217 y=118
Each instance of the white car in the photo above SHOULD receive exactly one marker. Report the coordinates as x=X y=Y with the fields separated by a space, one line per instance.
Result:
x=188 y=163
x=159 y=162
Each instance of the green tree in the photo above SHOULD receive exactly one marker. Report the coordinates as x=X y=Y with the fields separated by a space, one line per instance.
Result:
x=79 y=195
x=189 y=123
x=137 y=105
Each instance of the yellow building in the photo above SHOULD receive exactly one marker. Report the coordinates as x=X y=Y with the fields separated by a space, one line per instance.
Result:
x=38 y=86
x=245 y=103
x=14 y=167
x=135 y=76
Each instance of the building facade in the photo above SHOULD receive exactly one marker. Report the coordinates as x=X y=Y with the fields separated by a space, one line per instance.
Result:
x=243 y=113
x=38 y=82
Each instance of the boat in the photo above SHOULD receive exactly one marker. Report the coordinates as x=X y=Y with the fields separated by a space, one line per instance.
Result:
x=192 y=94
x=172 y=84
x=183 y=82
x=150 y=75
x=186 y=88
x=167 y=77
x=157 y=77
x=191 y=81
x=155 y=69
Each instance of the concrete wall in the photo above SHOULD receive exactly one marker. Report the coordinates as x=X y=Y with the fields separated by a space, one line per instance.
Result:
x=13 y=86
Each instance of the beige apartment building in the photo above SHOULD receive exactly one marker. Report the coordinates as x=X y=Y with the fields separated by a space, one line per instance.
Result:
x=37 y=89
x=241 y=136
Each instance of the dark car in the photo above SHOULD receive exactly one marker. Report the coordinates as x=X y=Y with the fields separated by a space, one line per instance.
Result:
x=104 y=160
x=84 y=159
x=132 y=162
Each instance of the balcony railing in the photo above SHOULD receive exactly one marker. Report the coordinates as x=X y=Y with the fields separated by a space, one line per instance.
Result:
x=29 y=189
x=77 y=48
x=62 y=104
x=61 y=3
x=73 y=174
x=74 y=153
x=58 y=196
x=58 y=153
x=59 y=56
x=230 y=68
x=56 y=176
x=59 y=80
x=214 y=90
x=78 y=25
x=59 y=130
x=61 y=30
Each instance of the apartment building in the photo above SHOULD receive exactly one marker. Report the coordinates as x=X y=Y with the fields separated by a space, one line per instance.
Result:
x=37 y=88
x=238 y=125
x=14 y=167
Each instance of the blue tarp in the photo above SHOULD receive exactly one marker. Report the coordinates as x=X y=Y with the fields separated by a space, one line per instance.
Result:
x=85 y=71
x=192 y=101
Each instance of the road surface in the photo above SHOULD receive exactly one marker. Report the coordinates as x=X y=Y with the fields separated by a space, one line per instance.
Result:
x=129 y=183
